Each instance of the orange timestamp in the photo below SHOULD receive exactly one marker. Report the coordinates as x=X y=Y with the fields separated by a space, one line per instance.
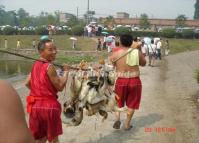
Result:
x=160 y=129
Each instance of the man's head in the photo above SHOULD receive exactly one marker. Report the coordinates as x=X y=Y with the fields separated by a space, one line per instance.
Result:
x=47 y=49
x=126 y=40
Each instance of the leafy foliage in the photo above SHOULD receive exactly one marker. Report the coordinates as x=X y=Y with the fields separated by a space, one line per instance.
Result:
x=122 y=30
x=180 y=20
x=188 y=33
x=144 y=23
x=197 y=75
x=196 y=13
x=168 y=33
x=41 y=31
x=9 y=31
x=78 y=30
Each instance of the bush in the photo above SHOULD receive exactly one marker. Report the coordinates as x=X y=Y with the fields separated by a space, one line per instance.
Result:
x=27 y=32
x=78 y=30
x=122 y=30
x=178 y=35
x=41 y=31
x=61 y=32
x=146 y=34
x=188 y=33
x=197 y=75
x=9 y=31
x=168 y=33
x=196 y=35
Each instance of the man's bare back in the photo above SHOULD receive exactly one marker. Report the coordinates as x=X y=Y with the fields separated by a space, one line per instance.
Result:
x=122 y=67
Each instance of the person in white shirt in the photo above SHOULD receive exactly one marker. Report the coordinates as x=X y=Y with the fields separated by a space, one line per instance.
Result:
x=144 y=48
x=6 y=43
x=89 y=29
x=159 y=46
x=152 y=53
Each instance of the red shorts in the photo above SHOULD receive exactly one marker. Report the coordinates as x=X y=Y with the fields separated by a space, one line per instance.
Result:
x=128 y=91
x=45 y=119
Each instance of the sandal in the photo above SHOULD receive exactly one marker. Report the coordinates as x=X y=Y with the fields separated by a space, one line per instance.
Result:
x=116 y=125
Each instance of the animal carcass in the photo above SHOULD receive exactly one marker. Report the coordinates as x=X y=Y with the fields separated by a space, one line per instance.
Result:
x=90 y=92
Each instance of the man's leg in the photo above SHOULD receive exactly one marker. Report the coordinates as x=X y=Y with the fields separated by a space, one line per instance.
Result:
x=117 y=123
x=128 y=118
x=55 y=140
x=43 y=140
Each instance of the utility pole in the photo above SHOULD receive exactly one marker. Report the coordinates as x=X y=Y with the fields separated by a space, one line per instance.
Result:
x=77 y=12
x=88 y=12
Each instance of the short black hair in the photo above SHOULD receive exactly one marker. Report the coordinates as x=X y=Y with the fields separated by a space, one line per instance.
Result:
x=41 y=44
x=152 y=41
x=126 y=40
x=117 y=43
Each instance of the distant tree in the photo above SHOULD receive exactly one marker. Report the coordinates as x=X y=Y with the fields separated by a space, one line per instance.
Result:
x=122 y=30
x=23 y=17
x=57 y=13
x=2 y=14
x=196 y=13
x=144 y=23
x=51 y=19
x=73 y=21
x=180 y=20
x=109 y=21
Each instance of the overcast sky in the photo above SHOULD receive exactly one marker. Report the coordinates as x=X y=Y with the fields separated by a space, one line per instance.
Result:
x=103 y=8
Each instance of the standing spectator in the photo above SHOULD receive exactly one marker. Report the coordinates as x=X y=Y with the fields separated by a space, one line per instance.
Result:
x=152 y=53
x=159 y=46
x=33 y=44
x=99 y=30
x=6 y=43
x=89 y=29
x=18 y=44
x=99 y=45
x=85 y=31
x=167 y=47
x=74 y=44
x=42 y=104
x=144 y=48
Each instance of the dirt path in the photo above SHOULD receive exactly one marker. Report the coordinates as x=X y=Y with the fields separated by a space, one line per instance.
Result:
x=168 y=113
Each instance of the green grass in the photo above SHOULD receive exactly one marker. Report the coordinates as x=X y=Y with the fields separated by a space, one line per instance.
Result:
x=197 y=74
x=87 y=44
x=61 y=41
x=183 y=45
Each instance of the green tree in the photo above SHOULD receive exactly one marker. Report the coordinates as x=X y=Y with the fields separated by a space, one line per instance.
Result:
x=2 y=14
x=73 y=21
x=196 y=13
x=109 y=22
x=180 y=20
x=122 y=30
x=144 y=23
x=23 y=17
x=51 y=19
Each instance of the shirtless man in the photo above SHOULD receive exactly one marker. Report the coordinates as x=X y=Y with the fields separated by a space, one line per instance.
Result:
x=128 y=84
x=13 y=127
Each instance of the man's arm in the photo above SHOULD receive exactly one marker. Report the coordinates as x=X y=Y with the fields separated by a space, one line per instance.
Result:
x=58 y=82
x=142 y=60
x=13 y=127
x=27 y=81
